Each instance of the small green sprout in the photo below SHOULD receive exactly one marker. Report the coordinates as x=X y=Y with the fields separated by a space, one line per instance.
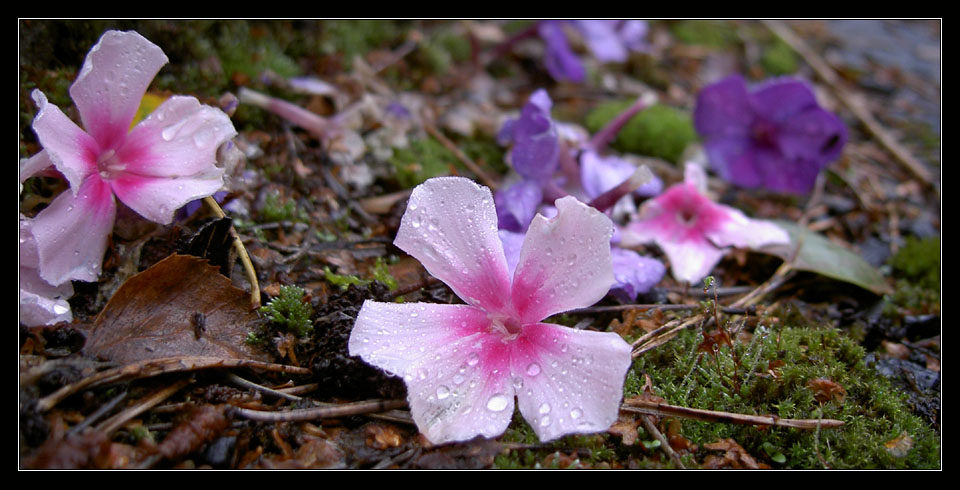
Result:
x=290 y=311
x=380 y=272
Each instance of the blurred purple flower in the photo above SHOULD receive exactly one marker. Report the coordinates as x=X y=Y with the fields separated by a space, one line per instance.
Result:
x=608 y=40
x=536 y=147
x=775 y=136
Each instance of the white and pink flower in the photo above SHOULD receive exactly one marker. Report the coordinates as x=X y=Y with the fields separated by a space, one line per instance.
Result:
x=465 y=365
x=162 y=163
x=693 y=230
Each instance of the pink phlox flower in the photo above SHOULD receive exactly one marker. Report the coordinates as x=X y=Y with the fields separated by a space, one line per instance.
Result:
x=40 y=302
x=164 y=162
x=465 y=365
x=692 y=230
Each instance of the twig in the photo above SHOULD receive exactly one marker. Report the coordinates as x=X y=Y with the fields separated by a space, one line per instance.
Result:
x=854 y=103
x=99 y=412
x=244 y=383
x=648 y=307
x=358 y=408
x=486 y=179
x=665 y=410
x=664 y=443
x=115 y=422
x=242 y=252
x=155 y=367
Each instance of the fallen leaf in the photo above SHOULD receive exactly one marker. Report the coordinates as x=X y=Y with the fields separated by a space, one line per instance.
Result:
x=734 y=456
x=818 y=254
x=825 y=390
x=155 y=313
x=626 y=428
x=383 y=436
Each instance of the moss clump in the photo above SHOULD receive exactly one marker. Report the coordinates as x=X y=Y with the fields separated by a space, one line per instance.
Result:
x=379 y=271
x=423 y=159
x=779 y=59
x=660 y=131
x=714 y=33
x=776 y=372
x=919 y=262
x=350 y=38
x=277 y=209
x=289 y=312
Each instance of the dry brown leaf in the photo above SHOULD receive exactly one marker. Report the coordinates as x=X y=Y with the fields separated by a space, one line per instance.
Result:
x=179 y=307
x=626 y=428
x=825 y=390
x=383 y=436
x=734 y=456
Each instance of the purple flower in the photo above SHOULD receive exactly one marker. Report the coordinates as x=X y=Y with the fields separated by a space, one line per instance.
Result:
x=164 y=162
x=608 y=40
x=536 y=147
x=465 y=366
x=775 y=136
x=691 y=229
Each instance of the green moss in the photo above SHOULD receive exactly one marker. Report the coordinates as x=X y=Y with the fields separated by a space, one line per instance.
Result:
x=379 y=271
x=919 y=261
x=289 y=311
x=778 y=58
x=874 y=413
x=660 y=131
x=714 y=33
x=423 y=159
x=350 y=38
x=277 y=209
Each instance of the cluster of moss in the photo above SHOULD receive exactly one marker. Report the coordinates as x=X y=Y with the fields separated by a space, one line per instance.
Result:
x=713 y=33
x=423 y=159
x=916 y=268
x=277 y=209
x=778 y=58
x=289 y=311
x=379 y=272
x=772 y=374
x=660 y=131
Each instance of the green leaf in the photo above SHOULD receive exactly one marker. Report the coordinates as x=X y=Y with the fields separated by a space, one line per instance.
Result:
x=820 y=255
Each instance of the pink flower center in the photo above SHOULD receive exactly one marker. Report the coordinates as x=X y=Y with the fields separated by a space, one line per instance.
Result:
x=108 y=164
x=506 y=326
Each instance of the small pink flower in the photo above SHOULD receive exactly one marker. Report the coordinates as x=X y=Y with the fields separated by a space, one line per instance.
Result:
x=692 y=230
x=164 y=162
x=464 y=365
x=40 y=302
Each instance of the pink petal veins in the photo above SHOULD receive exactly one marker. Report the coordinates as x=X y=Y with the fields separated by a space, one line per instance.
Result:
x=568 y=381
x=564 y=263
x=71 y=150
x=72 y=232
x=450 y=226
x=113 y=79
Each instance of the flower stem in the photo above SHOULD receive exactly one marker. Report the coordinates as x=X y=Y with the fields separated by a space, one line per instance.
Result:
x=244 y=257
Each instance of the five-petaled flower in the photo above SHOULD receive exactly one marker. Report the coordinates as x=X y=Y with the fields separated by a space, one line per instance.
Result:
x=692 y=230
x=775 y=136
x=607 y=39
x=162 y=163
x=464 y=365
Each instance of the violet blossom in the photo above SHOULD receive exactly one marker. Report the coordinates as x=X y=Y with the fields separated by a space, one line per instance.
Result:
x=774 y=136
x=164 y=162
x=692 y=230
x=608 y=40
x=539 y=144
x=465 y=365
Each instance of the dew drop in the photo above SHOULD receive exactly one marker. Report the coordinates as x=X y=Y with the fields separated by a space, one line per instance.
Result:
x=60 y=309
x=517 y=382
x=497 y=403
x=457 y=379
x=533 y=369
x=473 y=359
x=544 y=408
x=576 y=413
x=442 y=392
x=545 y=421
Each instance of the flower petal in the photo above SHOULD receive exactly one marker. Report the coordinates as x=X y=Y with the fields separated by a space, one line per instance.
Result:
x=517 y=204
x=635 y=274
x=536 y=148
x=564 y=263
x=41 y=303
x=780 y=99
x=599 y=174
x=562 y=63
x=512 y=244
x=111 y=83
x=691 y=260
x=72 y=232
x=158 y=199
x=34 y=165
x=455 y=369
x=724 y=109
x=180 y=138
x=602 y=38
x=450 y=226
x=741 y=231
x=568 y=381
x=815 y=135
x=71 y=150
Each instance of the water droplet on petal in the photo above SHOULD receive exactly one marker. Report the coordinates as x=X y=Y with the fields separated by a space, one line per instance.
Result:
x=473 y=359
x=545 y=421
x=497 y=403
x=533 y=369
x=576 y=413
x=442 y=392
x=544 y=408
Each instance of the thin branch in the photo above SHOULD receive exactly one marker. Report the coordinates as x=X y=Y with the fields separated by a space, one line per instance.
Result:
x=665 y=410
x=154 y=399
x=664 y=443
x=650 y=307
x=347 y=409
x=155 y=367
x=244 y=383
x=481 y=175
